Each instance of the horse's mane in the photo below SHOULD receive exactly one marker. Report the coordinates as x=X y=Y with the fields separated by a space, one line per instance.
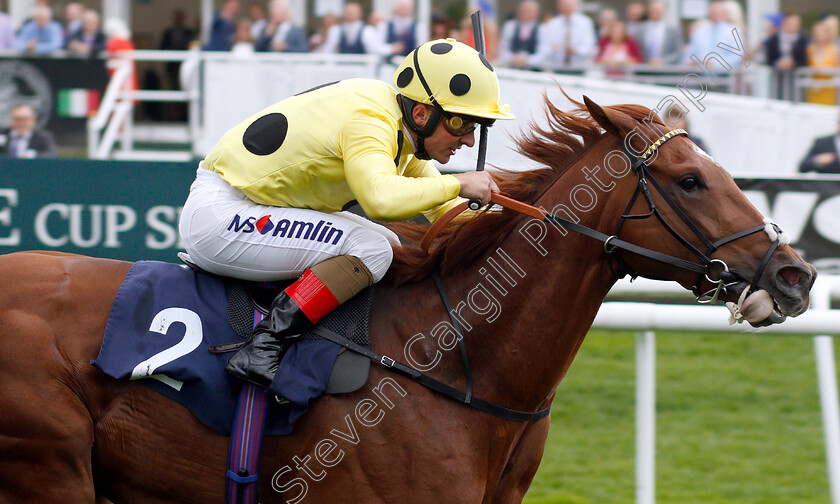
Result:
x=556 y=147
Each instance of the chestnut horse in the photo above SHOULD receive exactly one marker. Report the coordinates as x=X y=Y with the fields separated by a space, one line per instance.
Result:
x=526 y=293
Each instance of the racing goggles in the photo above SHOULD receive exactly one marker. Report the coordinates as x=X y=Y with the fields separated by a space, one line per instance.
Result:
x=459 y=126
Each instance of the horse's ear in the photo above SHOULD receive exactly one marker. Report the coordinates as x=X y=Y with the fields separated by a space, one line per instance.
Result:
x=614 y=122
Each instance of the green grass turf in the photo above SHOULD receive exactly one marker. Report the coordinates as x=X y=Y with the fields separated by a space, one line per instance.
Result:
x=738 y=421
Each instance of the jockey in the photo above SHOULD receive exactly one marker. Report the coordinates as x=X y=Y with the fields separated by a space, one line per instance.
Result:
x=266 y=203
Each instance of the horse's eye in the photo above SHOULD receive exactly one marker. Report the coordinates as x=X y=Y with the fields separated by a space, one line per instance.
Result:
x=689 y=184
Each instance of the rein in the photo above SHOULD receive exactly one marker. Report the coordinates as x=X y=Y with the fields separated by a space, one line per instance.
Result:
x=613 y=245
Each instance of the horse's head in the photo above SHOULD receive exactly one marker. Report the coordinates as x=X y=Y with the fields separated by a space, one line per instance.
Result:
x=680 y=202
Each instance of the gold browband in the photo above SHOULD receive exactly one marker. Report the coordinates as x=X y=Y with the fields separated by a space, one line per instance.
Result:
x=667 y=136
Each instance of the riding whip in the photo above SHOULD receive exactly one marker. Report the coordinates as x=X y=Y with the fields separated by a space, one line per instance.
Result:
x=478 y=36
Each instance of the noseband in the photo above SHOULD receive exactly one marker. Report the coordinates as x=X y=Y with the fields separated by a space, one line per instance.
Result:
x=613 y=245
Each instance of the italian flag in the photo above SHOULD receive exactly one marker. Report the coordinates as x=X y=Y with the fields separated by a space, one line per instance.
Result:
x=77 y=102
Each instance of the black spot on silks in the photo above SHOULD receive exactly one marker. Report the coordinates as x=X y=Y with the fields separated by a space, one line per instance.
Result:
x=441 y=48
x=460 y=85
x=265 y=135
x=405 y=77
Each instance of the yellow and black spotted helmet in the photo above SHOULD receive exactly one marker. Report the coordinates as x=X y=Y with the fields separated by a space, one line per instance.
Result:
x=453 y=76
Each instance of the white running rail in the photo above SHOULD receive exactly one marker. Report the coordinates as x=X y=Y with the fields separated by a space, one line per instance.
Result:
x=114 y=121
x=646 y=318
x=113 y=110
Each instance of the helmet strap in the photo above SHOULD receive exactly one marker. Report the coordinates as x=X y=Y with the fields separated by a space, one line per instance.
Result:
x=435 y=117
x=422 y=132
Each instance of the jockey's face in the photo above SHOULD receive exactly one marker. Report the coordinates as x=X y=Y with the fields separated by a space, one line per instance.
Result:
x=442 y=144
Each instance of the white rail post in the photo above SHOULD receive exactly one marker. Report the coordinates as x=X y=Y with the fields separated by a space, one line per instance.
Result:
x=827 y=376
x=645 y=417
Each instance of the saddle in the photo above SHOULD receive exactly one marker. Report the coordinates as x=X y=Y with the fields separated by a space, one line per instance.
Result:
x=350 y=320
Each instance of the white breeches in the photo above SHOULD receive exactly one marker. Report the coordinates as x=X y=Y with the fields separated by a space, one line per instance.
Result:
x=226 y=233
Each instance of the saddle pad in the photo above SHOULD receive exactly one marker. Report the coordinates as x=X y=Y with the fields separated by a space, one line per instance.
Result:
x=163 y=320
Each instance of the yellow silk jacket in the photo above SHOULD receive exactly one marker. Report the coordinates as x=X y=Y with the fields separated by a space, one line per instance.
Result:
x=328 y=146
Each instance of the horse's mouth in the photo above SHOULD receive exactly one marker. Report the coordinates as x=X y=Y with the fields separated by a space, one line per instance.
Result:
x=786 y=294
x=776 y=315
x=758 y=307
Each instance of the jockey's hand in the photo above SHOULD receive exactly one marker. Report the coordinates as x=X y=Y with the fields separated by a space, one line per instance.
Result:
x=477 y=185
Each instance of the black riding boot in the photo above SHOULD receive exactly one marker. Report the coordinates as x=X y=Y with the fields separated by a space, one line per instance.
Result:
x=258 y=360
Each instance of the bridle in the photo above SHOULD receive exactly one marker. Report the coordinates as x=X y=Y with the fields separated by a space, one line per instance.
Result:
x=613 y=245
x=639 y=164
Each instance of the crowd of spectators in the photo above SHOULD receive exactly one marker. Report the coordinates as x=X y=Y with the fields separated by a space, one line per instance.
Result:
x=789 y=48
x=640 y=37
x=564 y=39
x=278 y=31
x=568 y=40
x=81 y=34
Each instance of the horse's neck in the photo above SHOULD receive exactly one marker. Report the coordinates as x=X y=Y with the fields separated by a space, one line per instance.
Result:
x=529 y=303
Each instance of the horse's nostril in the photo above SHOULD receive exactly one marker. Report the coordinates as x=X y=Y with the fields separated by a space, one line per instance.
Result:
x=791 y=275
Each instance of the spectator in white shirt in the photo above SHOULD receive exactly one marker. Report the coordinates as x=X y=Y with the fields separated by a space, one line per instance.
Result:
x=256 y=13
x=735 y=15
x=519 y=40
x=353 y=36
x=280 y=33
x=567 y=40
x=7 y=32
x=706 y=37
x=243 y=43
x=317 y=40
x=377 y=19
x=635 y=14
x=660 y=42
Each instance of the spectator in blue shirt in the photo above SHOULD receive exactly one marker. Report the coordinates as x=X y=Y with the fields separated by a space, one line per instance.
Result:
x=401 y=30
x=280 y=33
x=88 y=40
x=42 y=35
x=223 y=29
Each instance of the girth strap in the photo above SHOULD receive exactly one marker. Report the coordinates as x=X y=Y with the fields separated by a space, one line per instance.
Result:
x=436 y=385
x=459 y=333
